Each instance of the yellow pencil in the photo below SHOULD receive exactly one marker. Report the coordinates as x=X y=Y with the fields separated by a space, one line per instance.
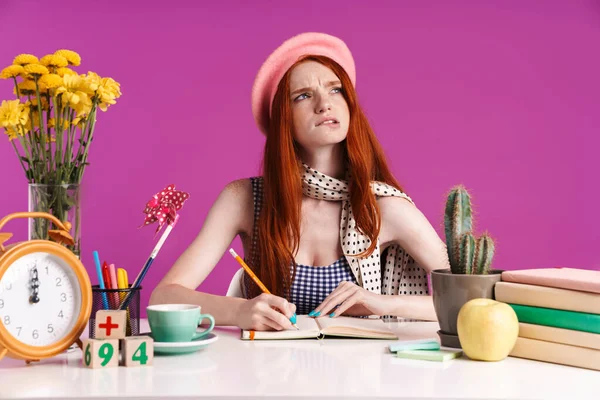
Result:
x=124 y=284
x=122 y=281
x=257 y=281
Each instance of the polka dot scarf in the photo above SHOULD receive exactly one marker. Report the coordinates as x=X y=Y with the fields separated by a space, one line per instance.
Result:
x=401 y=275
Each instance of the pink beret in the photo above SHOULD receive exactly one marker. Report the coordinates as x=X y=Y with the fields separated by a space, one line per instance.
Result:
x=277 y=64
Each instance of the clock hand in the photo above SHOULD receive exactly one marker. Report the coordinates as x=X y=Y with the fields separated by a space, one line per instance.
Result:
x=35 y=284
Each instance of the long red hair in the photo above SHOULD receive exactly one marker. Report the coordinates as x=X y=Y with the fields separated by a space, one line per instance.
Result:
x=279 y=220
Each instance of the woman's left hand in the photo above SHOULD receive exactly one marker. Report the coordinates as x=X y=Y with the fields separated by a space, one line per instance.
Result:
x=352 y=300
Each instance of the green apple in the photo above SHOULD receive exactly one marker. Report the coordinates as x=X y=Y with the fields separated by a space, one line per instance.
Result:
x=487 y=329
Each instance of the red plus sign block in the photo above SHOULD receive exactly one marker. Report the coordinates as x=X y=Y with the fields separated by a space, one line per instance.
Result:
x=110 y=324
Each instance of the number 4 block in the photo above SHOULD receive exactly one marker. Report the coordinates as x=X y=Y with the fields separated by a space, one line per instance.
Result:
x=137 y=351
x=100 y=353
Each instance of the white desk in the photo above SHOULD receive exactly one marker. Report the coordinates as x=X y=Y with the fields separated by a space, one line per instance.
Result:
x=300 y=369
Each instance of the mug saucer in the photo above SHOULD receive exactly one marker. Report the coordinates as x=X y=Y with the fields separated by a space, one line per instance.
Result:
x=182 y=347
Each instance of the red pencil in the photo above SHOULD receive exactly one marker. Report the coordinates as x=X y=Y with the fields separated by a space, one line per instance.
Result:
x=107 y=283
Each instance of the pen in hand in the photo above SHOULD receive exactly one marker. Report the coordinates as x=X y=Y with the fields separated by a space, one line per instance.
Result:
x=258 y=282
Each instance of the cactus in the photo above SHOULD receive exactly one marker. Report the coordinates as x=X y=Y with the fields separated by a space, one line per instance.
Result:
x=467 y=254
x=464 y=253
x=457 y=220
x=483 y=255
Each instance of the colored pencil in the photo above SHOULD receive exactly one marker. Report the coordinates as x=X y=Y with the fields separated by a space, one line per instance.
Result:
x=122 y=283
x=100 y=280
x=257 y=281
x=149 y=261
x=114 y=285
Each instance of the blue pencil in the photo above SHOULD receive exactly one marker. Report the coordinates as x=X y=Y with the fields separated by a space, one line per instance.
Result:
x=100 y=280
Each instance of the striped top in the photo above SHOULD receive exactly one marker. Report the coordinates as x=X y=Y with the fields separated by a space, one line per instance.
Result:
x=311 y=285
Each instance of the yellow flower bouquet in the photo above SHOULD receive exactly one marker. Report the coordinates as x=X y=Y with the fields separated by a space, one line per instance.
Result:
x=50 y=125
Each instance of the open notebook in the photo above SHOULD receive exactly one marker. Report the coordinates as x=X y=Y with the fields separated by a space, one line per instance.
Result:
x=318 y=328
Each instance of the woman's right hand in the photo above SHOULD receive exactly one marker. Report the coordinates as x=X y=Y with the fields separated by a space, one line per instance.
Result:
x=265 y=312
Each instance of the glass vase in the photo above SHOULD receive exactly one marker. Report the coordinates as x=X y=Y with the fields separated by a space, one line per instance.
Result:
x=61 y=201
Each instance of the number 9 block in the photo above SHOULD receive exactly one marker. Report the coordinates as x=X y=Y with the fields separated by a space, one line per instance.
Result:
x=100 y=353
x=137 y=351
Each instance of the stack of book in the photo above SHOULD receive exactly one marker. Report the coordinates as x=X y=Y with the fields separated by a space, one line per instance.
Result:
x=559 y=314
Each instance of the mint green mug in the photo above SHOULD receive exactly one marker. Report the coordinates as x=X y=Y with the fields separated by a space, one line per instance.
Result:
x=177 y=322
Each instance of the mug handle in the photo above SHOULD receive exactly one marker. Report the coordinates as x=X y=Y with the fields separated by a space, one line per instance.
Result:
x=199 y=335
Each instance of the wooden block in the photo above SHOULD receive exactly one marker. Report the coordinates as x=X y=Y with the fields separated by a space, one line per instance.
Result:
x=100 y=353
x=110 y=324
x=137 y=351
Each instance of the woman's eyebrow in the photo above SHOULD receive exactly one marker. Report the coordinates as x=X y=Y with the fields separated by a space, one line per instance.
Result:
x=331 y=83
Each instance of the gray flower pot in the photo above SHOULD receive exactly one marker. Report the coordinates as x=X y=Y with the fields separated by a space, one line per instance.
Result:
x=452 y=291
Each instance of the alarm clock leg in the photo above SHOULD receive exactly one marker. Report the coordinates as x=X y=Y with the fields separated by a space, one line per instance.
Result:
x=3 y=352
x=79 y=343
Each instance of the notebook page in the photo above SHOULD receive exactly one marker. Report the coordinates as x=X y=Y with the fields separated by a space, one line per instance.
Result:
x=306 y=323
x=307 y=329
x=357 y=326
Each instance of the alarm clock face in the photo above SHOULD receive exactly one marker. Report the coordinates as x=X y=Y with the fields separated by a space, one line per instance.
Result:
x=40 y=299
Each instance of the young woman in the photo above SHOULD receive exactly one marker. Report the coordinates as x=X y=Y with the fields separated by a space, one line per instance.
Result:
x=327 y=228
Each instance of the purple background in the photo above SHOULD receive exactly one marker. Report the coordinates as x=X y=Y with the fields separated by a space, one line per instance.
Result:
x=500 y=96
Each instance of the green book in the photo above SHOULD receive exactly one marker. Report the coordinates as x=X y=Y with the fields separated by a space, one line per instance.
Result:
x=430 y=355
x=574 y=320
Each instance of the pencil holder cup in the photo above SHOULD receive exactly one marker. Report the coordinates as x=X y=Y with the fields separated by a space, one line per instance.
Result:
x=111 y=299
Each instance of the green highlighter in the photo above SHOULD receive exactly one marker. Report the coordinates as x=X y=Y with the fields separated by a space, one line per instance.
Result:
x=430 y=355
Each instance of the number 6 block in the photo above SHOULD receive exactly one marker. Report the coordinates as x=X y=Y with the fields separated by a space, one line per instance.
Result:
x=100 y=353
x=137 y=351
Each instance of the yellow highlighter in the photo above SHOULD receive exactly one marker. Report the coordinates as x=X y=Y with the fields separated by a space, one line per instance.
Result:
x=123 y=283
